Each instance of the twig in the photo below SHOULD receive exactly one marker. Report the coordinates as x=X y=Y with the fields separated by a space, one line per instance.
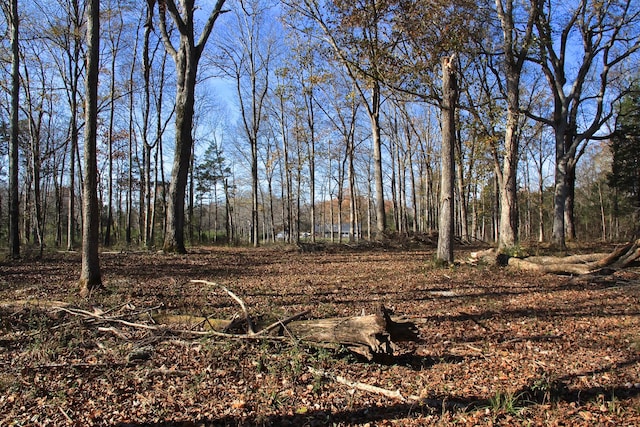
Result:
x=116 y=332
x=250 y=328
x=117 y=307
x=364 y=387
x=91 y=316
x=283 y=322
x=206 y=334
x=65 y=414
x=97 y=318
x=436 y=403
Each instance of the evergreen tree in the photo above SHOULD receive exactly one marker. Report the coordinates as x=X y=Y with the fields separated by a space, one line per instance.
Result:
x=625 y=146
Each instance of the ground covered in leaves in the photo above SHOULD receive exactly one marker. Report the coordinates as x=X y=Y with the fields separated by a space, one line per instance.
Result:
x=498 y=346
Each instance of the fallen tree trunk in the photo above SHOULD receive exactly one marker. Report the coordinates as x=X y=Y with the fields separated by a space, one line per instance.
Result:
x=621 y=257
x=557 y=267
x=369 y=336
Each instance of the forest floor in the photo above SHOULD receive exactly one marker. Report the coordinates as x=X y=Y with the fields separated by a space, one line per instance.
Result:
x=498 y=346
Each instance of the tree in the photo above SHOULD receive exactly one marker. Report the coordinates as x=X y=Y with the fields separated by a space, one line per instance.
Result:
x=36 y=107
x=625 y=146
x=447 y=177
x=356 y=33
x=186 y=58
x=209 y=173
x=579 y=53
x=515 y=44
x=115 y=30
x=64 y=42
x=247 y=60
x=13 y=18
x=90 y=277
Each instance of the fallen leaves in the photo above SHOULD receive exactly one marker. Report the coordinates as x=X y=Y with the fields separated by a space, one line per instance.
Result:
x=560 y=352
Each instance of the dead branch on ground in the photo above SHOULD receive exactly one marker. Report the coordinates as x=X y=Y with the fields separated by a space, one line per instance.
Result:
x=392 y=394
x=367 y=335
x=620 y=258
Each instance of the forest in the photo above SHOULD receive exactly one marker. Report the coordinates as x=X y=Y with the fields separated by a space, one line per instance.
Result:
x=322 y=119
x=319 y=212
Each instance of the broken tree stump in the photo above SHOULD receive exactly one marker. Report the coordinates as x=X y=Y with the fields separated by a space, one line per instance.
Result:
x=369 y=336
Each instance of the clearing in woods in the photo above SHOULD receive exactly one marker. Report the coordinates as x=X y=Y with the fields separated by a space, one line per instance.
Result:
x=497 y=345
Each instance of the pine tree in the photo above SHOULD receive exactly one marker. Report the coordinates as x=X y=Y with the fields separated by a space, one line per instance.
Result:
x=625 y=146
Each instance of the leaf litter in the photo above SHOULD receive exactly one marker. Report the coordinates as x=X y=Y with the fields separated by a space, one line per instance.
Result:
x=498 y=346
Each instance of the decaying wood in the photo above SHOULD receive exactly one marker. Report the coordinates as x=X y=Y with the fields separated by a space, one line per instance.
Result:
x=554 y=268
x=621 y=257
x=393 y=394
x=570 y=259
x=369 y=336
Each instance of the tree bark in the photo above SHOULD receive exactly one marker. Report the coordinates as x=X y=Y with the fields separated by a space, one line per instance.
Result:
x=516 y=47
x=90 y=277
x=446 y=223
x=622 y=257
x=374 y=116
x=369 y=336
x=14 y=208
x=186 y=58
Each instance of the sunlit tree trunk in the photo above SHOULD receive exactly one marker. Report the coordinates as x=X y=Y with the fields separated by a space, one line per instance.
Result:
x=516 y=43
x=446 y=222
x=186 y=59
x=374 y=117
x=90 y=277
x=14 y=208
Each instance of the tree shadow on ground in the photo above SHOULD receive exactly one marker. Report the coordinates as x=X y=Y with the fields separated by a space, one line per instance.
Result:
x=397 y=411
x=541 y=391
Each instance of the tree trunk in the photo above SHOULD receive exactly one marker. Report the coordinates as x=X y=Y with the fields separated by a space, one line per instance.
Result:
x=14 y=208
x=146 y=120
x=71 y=214
x=462 y=194
x=446 y=223
x=560 y=194
x=185 y=98
x=369 y=336
x=374 y=116
x=186 y=59
x=90 y=277
x=569 y=202
x=107 y=233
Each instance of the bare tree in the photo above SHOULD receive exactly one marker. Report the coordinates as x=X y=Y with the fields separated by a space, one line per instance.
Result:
x=579 y=53
x=516 y=44
x=247 y=60
x=63 y=34
x=357 y=37
x=90 y=276
x=115 y=31
x=186 y=56
x=11 y=13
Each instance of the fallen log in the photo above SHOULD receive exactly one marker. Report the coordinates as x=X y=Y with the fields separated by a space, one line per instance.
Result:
x=557 y=267
x=369 y=336
x=620 y=258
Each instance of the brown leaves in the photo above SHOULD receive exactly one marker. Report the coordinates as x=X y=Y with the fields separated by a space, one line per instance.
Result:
x=556 y=352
